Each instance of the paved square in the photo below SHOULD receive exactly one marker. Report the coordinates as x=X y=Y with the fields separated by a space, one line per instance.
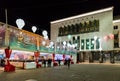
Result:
x=77 y=72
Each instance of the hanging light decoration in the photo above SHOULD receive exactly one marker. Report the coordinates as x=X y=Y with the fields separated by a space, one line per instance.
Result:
x=20 y=23
x=43 y=43
x=34 y=28
x=45 y=37
x=44 y=33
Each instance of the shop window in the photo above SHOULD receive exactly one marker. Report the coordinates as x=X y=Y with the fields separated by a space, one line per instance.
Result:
x=78 y=42
x=116 y=41
x=73 y=40
x=97 y=43
x=87 y=44
x=92 y=43
x=82 y=44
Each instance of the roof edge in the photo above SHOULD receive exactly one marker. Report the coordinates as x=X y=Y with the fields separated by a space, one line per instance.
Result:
x=84 y=14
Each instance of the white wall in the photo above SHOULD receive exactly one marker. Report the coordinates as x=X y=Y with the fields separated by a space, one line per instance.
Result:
x=105 y=27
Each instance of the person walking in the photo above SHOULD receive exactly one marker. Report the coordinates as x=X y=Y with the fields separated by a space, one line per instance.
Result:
x=59 y=62
x=44 y=62
x=49 y=62
x=2 y=62
x=68 y=63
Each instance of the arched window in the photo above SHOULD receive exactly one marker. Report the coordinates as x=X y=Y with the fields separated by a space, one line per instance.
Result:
x=77 y=28
x=85 y=24
x=90 y=23
x=73 y=28
x=65 y=30
x=69 y=29
x=60 y=31
x=96 y=25
x=81 y=27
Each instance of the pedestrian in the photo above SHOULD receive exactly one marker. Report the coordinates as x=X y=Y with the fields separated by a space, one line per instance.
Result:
x=2 y=62
x=68 y=63
x=59 y=62
x=65 y=63
x=49 y=62
x=44 y=62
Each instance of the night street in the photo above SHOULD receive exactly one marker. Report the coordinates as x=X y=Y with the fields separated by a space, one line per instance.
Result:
x=77 y=72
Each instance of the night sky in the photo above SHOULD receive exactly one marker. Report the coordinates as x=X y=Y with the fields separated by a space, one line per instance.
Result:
x=39 y=13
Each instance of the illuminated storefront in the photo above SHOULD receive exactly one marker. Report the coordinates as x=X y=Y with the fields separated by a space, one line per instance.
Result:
x=25 y=45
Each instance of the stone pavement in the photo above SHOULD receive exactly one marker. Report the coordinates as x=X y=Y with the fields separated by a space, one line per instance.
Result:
x=77 y=72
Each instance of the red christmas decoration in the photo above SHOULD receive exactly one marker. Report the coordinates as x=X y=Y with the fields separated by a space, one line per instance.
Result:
x=111 y=36
x=36 y=54
x=8 y=52
x=8 y=67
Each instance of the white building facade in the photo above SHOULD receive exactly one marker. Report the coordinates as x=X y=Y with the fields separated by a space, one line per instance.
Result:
x=116 y=32
x=90 y=32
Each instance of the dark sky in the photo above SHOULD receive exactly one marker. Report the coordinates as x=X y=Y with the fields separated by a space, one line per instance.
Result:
x=41 y=12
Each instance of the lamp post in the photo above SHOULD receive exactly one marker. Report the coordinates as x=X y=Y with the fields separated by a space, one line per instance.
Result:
x=7 y=30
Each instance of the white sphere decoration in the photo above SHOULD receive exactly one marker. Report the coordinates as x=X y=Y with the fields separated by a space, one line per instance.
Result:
x=73 y=45
x=43 y=42
x=20 y=23
x=64 y=43
x=51 y=43
x=45 y=37
x=44 y=33
x=34 y=28
x=68 y=44
x=69 y=36
x=95 y=37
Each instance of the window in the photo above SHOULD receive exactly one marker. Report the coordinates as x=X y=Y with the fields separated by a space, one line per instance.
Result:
x=115 y=27
x=87 y=44
x=82 y=44
x=97 y=43
x=92 y=43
